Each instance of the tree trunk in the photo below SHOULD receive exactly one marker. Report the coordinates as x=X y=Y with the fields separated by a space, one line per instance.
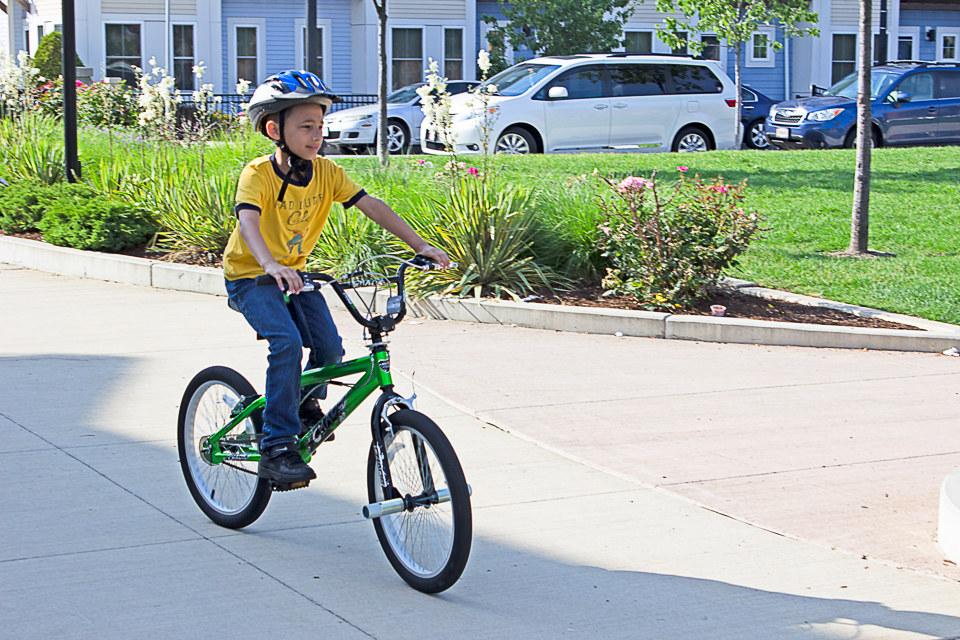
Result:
x=382 y=145
x=860 y=223
x=737 y=80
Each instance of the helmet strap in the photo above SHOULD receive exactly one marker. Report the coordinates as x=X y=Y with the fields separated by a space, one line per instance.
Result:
x=295 y=164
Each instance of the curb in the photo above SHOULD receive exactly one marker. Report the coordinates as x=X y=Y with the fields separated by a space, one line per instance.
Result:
x=930 y=336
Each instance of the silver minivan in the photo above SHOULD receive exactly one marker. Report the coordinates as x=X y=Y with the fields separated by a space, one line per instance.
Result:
x=598 y=102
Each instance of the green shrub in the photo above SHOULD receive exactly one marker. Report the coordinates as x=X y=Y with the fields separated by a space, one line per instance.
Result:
x=49 y=56
x=95 y=223
x=20 y=209
x=493 y=235
x=665 y=249
x=22 y=204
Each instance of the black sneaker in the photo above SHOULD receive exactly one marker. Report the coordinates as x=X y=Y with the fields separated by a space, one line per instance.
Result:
x=283 y=464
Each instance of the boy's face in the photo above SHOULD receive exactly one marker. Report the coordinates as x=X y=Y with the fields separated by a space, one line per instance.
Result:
x=302 y=130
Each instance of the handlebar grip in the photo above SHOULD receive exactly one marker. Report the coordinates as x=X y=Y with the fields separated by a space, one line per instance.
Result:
x=265 y=280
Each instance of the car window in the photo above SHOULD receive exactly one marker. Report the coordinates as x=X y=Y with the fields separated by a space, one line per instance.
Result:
x=517 y=79
x=581 y=82
x=638 y=80
x=692 y=78
x=948 y=84
x=403 y=95
x=747 y=96
x=918 y=85
x=880 y=81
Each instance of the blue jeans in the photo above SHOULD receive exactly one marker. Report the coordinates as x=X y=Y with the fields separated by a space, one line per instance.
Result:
x=280 y=324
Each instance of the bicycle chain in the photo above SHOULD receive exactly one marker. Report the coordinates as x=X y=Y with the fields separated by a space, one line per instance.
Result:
x=238 y=467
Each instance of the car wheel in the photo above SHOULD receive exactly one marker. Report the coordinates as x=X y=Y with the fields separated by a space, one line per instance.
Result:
x=850 y=142
x=755 y=138
x=398 y=137
x=692 y=139
x=516 y=141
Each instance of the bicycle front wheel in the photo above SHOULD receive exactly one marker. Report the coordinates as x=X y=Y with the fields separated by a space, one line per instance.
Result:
x=229 y=493
x=429 y=545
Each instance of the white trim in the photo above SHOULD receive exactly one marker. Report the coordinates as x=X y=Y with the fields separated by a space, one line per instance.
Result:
x=914 y=34
x=768 y=60
x=260 y=24
x=326 y=26
x=463 y=52
x=942 y=34
x=423 y=60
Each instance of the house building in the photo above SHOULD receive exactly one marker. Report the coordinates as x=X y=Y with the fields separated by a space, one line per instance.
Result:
x=251 y=39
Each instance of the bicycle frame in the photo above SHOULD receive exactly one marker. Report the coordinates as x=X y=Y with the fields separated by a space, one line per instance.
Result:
x=375 y=370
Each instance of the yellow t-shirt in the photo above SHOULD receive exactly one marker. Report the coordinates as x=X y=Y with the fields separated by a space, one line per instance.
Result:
x=290 y=228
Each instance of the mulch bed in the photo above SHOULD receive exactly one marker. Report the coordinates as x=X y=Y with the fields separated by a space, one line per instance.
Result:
x=738 y=304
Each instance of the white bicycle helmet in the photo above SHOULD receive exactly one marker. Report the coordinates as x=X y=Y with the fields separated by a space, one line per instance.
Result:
x=284 y=90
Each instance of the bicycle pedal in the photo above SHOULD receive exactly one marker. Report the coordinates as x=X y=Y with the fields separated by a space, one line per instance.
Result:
x=288 y=486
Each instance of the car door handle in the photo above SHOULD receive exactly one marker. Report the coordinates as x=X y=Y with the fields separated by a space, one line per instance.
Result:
x=619 y=105
x=931 y=109
x=601 y=106
x=745 y=108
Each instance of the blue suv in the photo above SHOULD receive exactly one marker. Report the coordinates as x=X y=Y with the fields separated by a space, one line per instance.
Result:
x=911 y=103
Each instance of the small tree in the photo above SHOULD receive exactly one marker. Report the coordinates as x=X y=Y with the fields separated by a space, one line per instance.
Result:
x=49 y=56
x=560 y=27
x=734 y=21
x=860 y=222
x=383 y=147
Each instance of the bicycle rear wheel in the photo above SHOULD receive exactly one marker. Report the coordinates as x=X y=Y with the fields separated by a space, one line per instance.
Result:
x=229 y=493
x=428 y=546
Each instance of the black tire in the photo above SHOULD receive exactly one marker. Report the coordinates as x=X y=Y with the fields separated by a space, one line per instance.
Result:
x=692 y=139
x=850 y=142
x=515 y=141
x=230 y=497
x=754 y=137
x=428 y=546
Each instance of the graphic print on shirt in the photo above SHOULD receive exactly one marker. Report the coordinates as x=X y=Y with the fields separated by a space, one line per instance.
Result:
x=296 y=241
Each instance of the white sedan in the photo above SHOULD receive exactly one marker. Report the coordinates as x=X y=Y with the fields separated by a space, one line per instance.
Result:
x=355 y=130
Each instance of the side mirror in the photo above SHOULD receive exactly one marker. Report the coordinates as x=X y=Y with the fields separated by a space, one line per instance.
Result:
x=557 y=92
x=902 y=96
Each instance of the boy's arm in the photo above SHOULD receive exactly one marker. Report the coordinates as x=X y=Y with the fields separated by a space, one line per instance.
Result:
x=381 y=213
x=249 y=221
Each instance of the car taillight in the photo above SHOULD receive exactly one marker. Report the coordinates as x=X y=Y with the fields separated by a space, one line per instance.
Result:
x=731 y=102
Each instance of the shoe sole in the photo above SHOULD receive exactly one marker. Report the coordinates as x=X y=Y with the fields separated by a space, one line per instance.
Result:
x=286 y=479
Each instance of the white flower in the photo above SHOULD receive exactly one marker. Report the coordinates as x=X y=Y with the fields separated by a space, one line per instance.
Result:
x=199 y=69
x=243 y=86
x=483 y=60
x=492 y=88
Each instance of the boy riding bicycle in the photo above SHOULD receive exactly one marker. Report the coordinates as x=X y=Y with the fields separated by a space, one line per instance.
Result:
x=282 y=204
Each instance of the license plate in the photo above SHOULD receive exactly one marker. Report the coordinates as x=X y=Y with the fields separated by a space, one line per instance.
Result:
x=783 y=132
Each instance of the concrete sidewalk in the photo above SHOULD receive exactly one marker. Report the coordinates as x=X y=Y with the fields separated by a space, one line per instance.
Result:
x=101 y=538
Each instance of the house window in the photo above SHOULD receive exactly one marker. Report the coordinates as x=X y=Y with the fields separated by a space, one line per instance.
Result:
x=638 y=42
x=39 y=34
x=247 y=54
x=319 y=51
x=844 y=56
x=407 y=57
x=759 y=47
x=183 y=60
x=453 y=54
x=26 y=40
x=905 y=48
x=682 y=49
x=949 y=47
x=711 y=47
x=877 y=41
x=123 y=51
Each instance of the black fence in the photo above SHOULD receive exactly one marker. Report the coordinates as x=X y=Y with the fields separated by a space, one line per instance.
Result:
x=232 y=103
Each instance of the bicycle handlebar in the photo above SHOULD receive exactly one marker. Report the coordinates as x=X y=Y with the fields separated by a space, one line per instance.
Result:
x=377 y=323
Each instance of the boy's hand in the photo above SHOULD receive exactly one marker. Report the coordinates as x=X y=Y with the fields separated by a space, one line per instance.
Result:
x=286 y=275
x=437 y=255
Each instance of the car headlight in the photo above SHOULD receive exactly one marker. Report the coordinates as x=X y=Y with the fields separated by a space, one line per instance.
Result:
x=472 y=114
x=824 y=115
x=356 y=118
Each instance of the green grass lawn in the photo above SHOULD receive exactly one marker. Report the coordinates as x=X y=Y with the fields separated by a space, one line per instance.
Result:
x=806 y=199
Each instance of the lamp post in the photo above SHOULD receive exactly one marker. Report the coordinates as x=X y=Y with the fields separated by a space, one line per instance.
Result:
x=71 y=160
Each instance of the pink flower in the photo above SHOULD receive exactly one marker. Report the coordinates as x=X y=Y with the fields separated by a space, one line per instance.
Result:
x=79 y=84
x=473 y=171
x=682 y=168
x=421 y=161
x=722 y=188
x=632 y=183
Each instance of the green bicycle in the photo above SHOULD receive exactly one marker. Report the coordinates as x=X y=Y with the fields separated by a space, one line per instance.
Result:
x=419 y=498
